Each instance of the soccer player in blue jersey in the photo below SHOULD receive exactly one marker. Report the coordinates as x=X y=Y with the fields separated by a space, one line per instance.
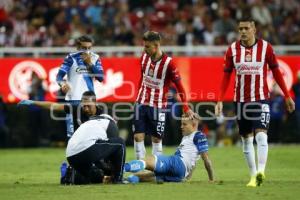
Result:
x=177 y=167
x=81 y=68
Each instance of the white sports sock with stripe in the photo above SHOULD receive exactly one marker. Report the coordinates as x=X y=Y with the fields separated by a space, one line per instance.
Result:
x=262 y=150
x=140 y=150
x=249 y=152
x=157 y=148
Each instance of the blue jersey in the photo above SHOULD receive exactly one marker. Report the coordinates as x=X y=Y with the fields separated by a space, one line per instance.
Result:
x=80 y=76
x=190 y=148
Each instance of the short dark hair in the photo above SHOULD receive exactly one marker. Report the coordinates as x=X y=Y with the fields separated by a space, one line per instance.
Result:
x=89 y=94
x=151 y=36
x=247 y=19
x=83 y=38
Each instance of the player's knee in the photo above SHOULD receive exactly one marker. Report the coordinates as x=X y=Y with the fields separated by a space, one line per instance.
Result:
x=261 y=138
x=139 y=137
x=156 y=139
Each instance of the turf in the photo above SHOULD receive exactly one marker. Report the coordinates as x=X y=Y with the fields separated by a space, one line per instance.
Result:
x=34 y=174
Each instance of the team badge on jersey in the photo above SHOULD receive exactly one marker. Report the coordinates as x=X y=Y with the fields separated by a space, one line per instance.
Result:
x=151 y=72
x=248 y=58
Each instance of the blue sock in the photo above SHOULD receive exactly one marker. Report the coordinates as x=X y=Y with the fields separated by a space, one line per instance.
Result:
x=134 y=166
x=133 y=179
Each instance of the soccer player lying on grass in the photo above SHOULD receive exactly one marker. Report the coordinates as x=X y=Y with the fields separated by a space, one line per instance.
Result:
x=177 y=167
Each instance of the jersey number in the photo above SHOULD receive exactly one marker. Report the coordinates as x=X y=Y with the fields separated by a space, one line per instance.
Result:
x=160 y=127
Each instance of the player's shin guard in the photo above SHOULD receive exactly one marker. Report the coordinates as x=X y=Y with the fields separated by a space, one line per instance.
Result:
x=248 y=149
x=157 y=148
x=135 y=166
x=140 y=150
x=262 y=150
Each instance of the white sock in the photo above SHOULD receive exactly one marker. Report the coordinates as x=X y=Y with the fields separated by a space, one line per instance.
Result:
x=262 y=150
x=157 y=148
x=248 y=149
x=140 y=151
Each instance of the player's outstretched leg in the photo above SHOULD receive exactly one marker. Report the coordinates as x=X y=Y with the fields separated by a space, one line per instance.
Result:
x=135 y=166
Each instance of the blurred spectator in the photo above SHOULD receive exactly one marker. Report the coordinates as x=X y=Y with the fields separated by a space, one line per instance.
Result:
x=37 y=89
x=261 y=13
x=37 y=123
x=192 y=22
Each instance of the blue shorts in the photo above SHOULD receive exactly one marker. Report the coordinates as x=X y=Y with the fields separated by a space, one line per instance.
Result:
x=252 y=115
x=169 y=168
x=149 y=120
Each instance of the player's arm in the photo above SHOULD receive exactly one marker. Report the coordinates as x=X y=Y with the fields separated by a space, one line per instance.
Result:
x=201 y=143
x=273 y=65
x=63 y=70
x=176 y=79
x=97 y=70
x=208 y=165
x=43 y=104
x=228 y=67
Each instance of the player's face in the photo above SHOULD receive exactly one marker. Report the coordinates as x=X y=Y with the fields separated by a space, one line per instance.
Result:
x=85 y=46
x=150 y=47
x=89 y=107
x=247 y=30
x=187 y=127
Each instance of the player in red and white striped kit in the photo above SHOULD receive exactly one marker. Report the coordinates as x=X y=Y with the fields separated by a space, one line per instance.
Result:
x=158 y=72
x=250 y=58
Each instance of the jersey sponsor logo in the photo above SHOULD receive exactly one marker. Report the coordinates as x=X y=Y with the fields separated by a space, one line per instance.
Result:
x=81 y=70
x=151 y=82
x=248 y=69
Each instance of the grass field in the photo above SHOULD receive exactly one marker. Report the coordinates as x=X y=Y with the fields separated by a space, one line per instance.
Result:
x=34 y=174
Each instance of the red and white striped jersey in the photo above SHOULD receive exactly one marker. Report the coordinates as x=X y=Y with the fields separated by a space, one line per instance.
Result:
x=156 y=79
x=251 y=65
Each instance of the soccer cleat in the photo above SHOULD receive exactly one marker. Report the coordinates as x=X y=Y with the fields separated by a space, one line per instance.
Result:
x=260 y=177
x=252 y=182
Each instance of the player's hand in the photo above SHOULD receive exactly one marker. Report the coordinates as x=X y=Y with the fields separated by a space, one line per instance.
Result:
x=87 y=59
x=65 y=87
x=219 y=108
x=190 y=114
x=25 y=103
x=107 y=180
x=290 y=104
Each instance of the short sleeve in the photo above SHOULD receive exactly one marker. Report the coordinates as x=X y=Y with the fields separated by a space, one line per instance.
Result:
x=228 y=61
x=173 y=72
x=201 y=143
x=67 y=64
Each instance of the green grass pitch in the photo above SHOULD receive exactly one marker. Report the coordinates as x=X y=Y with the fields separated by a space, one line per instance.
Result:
x=34 y=174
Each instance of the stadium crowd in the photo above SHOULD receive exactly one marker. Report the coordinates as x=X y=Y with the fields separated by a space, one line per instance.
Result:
x=120 y=22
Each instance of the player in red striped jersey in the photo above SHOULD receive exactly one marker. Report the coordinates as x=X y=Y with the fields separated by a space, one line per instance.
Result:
x=250 y=58
x=157 y=73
